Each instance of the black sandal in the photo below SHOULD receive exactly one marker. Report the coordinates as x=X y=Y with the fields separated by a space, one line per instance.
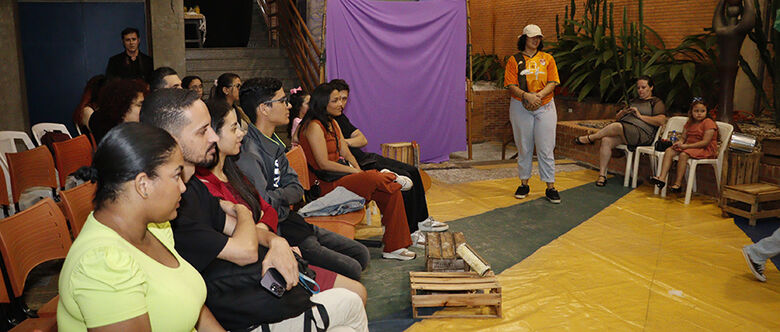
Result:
x=658 y=183
x=675 y=190
x=577 y=140
x=600 y=183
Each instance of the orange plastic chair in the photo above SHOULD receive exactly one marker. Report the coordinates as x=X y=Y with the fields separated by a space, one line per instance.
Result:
x=31 y=168
x=70 y=155
x=29 y=238
x=343 y=224
x=77 y=204
x=43 y=324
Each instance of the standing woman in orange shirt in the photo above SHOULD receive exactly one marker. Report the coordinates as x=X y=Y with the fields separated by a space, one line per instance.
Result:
x=531 y=76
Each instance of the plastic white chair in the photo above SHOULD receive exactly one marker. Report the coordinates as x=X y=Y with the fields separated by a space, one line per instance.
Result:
x=629 y=159
x=8 y=142
x=673 y=123
x=78 y=129
x=8 y=145
x=724 y=130
x=38 y=130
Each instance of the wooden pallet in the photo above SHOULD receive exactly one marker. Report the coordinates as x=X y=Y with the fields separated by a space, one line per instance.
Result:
x=455 y=289
x=440 y=253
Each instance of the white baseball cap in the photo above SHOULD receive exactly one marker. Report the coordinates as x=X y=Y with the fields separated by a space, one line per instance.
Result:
x=531 y=30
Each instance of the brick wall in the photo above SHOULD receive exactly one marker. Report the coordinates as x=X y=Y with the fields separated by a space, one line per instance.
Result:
x=490 y=114
x=496 y=23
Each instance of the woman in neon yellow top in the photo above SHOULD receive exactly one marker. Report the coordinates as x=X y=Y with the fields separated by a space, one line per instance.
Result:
x=122 y=272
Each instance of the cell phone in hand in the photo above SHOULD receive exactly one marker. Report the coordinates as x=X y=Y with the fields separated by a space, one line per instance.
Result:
x=273 y=282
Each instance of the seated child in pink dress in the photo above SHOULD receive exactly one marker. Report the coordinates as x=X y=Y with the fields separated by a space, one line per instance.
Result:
x=699 y=141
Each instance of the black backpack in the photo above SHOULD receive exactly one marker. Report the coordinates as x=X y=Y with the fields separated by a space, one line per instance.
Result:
x=50 y=137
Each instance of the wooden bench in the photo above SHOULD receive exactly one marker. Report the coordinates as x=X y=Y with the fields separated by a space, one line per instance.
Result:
x=759 y=196
x=456 y=289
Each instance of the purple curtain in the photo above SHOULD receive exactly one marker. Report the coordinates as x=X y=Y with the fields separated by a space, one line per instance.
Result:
x=405 y=63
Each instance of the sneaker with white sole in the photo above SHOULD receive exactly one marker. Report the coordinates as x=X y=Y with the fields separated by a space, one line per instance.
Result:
x=405 y=182
x=418 y=239
x=431 y=225
x=522 y=191
x=756 y=268
x=402 y=254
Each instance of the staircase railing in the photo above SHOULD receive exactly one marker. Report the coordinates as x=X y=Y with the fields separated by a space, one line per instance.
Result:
x=286 y=24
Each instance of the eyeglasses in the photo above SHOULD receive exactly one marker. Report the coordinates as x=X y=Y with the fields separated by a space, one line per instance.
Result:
x=238 y=86
x=283 y=100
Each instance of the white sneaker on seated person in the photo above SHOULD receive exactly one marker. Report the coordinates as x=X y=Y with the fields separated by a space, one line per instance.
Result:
x=431 y=225
x=402 y=254
x=418 y=239
x=405 y=182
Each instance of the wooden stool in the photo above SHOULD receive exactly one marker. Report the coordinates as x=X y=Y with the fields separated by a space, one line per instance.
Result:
x=455 y=289
x=753 y=194
x=440 y=253
x=405 y=152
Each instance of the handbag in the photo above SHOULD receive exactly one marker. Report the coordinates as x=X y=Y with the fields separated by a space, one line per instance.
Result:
x=662 y=144
x=330 y=176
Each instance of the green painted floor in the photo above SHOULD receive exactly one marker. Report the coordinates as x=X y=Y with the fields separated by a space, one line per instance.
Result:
x=503 y=237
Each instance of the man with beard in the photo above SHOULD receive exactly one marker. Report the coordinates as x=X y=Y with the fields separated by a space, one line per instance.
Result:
x=221 y=241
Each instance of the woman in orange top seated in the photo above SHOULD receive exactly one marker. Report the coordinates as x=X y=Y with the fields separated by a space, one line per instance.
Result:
x=328 y=157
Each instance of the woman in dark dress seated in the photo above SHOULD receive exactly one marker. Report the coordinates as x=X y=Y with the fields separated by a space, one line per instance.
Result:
x=635 y=126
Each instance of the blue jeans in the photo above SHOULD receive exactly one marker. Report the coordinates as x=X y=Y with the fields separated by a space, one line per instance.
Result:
x=531 y=129
x=334 y=252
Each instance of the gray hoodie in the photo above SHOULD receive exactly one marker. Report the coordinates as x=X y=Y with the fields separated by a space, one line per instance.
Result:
x=263 y=161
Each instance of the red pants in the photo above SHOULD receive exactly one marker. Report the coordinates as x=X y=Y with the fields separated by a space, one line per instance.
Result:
x=380 y=188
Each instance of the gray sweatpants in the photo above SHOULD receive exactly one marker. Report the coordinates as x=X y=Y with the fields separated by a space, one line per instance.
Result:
x=534 y=128
x=765 y=249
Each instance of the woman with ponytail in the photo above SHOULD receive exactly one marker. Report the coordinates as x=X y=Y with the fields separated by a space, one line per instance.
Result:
x=125 y=251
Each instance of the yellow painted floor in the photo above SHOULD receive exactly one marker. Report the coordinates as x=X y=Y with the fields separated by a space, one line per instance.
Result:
x=643 y=263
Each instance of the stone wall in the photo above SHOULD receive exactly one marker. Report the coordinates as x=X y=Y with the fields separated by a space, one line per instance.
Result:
x=167 y=34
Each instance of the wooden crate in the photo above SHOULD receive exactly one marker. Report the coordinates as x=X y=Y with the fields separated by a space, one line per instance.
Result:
x=455 y=289
x=757 y=196
x=405 y=152
x=440 y=253
x=771 y=146
x=740 y=168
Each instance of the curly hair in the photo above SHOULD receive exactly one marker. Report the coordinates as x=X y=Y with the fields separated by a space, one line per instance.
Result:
x=117 y=96
x=89 y=97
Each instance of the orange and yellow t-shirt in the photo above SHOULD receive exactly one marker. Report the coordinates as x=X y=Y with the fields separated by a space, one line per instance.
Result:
x=539 y=70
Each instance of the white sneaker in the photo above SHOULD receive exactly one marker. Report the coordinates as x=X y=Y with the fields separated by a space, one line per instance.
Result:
x=405 y=182
x=431 y=225
x=418 y=239
x=402 y=254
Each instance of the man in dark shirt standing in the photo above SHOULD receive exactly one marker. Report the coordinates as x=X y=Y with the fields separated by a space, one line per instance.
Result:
x=131 y=63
